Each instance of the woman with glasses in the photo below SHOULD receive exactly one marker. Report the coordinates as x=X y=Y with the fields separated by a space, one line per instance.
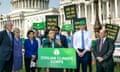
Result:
x=17 y=64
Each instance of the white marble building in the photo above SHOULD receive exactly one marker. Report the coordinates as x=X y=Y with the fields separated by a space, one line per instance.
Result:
x=25 y=12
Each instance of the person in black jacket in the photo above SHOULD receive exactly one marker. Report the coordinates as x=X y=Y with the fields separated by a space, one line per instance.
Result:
x=59 y=36
x=6 y=48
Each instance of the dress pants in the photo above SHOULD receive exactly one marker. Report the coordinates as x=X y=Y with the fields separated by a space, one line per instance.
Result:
x=100 y=68
x=6 y=66
x=89 y=61
x=27 y=65
x=83 y=60
x=55 y=70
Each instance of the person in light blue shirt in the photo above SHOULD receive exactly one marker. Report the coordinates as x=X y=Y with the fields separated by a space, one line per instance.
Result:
x=69 y=39
x=82 y=44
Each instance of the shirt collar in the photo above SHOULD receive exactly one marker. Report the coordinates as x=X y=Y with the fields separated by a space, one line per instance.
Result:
x=104 y=39
x=7 y=31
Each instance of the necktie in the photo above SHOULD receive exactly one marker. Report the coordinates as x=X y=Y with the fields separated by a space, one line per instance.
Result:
x=10 y=36
x=101 y=44
x=83 y=44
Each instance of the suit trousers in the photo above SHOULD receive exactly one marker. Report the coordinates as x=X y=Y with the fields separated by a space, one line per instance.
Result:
x=83 y=60
x=56 y=70
x=6 y=65
x=101 y=68
x=90 y=61
x=27 y=65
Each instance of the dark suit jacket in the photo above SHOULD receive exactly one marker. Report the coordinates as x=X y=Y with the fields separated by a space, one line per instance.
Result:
x=63 y=40
x=6 y=46
x=106 y=52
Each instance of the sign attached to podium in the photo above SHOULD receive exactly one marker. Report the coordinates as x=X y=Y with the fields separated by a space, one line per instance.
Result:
x=57 y=58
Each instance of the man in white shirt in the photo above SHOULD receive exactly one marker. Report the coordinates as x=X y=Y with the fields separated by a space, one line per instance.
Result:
x=82 y=43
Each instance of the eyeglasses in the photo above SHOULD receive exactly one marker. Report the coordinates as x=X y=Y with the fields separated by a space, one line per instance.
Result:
x=55 y=30
x=17 y=32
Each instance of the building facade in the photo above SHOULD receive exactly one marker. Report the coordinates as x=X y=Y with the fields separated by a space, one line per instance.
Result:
x=25 y=12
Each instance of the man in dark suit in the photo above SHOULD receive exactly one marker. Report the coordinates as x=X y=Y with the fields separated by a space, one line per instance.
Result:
x=60 y=37
x=103 y=51
x=6 y=48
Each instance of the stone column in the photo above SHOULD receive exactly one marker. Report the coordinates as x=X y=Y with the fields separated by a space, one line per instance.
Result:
x=116 y=9
x=92 y=13
x=79 y=10
x=108 y=9
x=39 y=6
x=22 y=4
x=85 y=10
x=100 y=11
x=27 y=3
x=32 y=4
x=18 y=3
x=43 y=4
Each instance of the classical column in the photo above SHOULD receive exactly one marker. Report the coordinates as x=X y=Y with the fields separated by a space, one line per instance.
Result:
x=22 y=4
x=92 y=13
x=32 y=6
x=85 y=10
x=18 y=3
x=100 y=11
x=35 y=3
x=43 y=4
x=108 y=8
x=79 y=8
x=39 y=5
x=28 y=4
x=116 y=9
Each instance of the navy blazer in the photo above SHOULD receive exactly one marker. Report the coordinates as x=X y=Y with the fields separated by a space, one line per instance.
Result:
x=63 y=40
x=30 y=49
x=6 y=45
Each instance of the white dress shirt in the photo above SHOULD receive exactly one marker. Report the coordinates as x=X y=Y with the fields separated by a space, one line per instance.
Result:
x=39 y=43
x=77 y=40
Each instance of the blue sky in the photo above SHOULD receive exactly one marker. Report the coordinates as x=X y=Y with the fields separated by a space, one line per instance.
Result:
x=5 y=6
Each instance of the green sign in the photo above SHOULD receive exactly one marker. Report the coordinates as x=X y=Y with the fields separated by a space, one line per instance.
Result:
x=57 y=57
x=70 y=12
x=51 y=21
x=39 y=25
x=67 y=27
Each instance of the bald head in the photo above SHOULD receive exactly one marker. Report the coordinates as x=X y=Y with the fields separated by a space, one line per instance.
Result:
x=102 y=33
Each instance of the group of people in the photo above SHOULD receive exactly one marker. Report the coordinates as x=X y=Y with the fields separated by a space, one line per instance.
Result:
x=11 y=49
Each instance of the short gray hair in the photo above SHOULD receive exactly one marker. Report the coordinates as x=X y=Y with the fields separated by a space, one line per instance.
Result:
x=7 y=22
x=16 y=29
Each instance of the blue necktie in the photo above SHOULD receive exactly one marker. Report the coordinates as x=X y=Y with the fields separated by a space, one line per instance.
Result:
x=9 y=33
x=83 y=43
